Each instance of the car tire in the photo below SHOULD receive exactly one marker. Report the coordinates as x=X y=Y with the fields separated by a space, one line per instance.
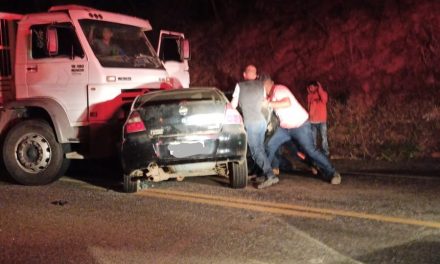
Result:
x=32 y=155
x=238 y=174
x=130 y=185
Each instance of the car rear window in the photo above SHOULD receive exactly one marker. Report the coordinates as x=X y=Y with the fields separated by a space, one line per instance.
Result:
x=184 y=94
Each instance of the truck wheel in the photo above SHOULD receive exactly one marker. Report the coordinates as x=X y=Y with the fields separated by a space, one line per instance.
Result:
x=130 y=185
x=238 y=174
x=32 y=155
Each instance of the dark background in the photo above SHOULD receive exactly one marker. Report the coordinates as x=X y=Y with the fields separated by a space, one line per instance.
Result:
x=377 y=59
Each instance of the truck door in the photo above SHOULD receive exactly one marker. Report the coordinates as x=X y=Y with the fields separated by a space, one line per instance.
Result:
x=57 y=68
x=173 y=50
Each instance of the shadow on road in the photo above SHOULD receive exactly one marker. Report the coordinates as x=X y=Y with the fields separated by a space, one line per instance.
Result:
x=108 y=174
x=105 y=173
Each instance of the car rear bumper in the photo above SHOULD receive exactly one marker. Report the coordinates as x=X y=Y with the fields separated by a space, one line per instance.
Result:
x=139 y=150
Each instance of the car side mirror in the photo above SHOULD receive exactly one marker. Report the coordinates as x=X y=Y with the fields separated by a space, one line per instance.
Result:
x=52 y=41
x=185 y=49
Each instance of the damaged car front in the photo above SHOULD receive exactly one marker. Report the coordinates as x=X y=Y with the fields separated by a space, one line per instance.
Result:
x=183 y=133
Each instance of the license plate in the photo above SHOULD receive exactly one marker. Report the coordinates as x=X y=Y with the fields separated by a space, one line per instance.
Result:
x=155 y=132
x=182 y=150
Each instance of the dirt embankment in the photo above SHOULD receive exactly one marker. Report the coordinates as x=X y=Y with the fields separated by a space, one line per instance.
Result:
x=378 y=59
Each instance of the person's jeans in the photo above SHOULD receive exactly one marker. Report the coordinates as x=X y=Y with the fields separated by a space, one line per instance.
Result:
x=304 y=139
x=255 y=137
x=322 y=129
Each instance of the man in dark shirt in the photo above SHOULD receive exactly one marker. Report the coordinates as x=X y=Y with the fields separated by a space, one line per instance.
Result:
x=250 y=96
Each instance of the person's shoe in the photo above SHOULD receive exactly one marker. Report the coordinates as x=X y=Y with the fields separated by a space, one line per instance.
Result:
x=276 y=171
x=269 y=182
x=259 y=179
x=314 y=170
x=336 y=178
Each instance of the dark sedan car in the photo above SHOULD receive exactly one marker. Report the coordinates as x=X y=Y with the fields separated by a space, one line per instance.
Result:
x=183 y=133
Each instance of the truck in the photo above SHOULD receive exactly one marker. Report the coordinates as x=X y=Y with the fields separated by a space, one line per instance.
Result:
x=65 y=95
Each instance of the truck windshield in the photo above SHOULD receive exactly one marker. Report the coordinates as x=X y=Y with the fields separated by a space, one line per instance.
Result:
x=118 y=45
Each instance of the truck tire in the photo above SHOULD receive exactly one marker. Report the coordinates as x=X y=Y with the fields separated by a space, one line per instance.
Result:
x=130 y=185
x=32 y=155
x=238 y=174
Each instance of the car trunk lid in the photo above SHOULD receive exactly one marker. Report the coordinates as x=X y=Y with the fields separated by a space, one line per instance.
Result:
x=184 y=126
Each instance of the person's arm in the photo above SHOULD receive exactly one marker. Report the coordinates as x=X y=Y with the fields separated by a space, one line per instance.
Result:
x=234 y=101
x=322 y=94
x=283 y=103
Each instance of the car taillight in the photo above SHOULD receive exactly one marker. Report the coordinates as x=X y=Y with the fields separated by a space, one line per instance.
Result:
x=232 y=116
x=134 y=123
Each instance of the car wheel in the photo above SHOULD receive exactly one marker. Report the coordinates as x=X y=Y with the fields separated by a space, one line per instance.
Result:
x=238 y=174
x=32 y=155
x=131 y=185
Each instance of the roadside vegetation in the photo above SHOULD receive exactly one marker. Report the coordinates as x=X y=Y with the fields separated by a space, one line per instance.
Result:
x=395 y=127
x=378 y=59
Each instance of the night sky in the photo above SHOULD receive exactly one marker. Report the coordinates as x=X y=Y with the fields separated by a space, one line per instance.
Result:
x=150 y=9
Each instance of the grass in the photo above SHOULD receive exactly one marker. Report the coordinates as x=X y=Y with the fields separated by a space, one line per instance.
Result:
x=391 y=127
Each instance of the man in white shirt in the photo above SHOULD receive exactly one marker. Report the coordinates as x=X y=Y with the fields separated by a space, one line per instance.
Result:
x=295 y=125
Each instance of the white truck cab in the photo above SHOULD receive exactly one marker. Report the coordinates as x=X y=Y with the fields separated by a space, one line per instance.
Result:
x=67 y=79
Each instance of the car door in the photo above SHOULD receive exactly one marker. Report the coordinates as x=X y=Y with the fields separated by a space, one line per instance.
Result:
x=173 y=50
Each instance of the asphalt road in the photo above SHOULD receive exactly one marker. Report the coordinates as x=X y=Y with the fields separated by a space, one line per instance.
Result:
x=379 y=214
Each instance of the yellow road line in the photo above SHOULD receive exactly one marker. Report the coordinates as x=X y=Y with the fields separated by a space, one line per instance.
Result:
x=257 y=208
x=297 y=208
x=280 y=208
x=83 y=184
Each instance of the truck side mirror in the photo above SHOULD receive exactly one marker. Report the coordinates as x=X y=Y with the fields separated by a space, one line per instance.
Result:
x=185 y=49
x=52 y=41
